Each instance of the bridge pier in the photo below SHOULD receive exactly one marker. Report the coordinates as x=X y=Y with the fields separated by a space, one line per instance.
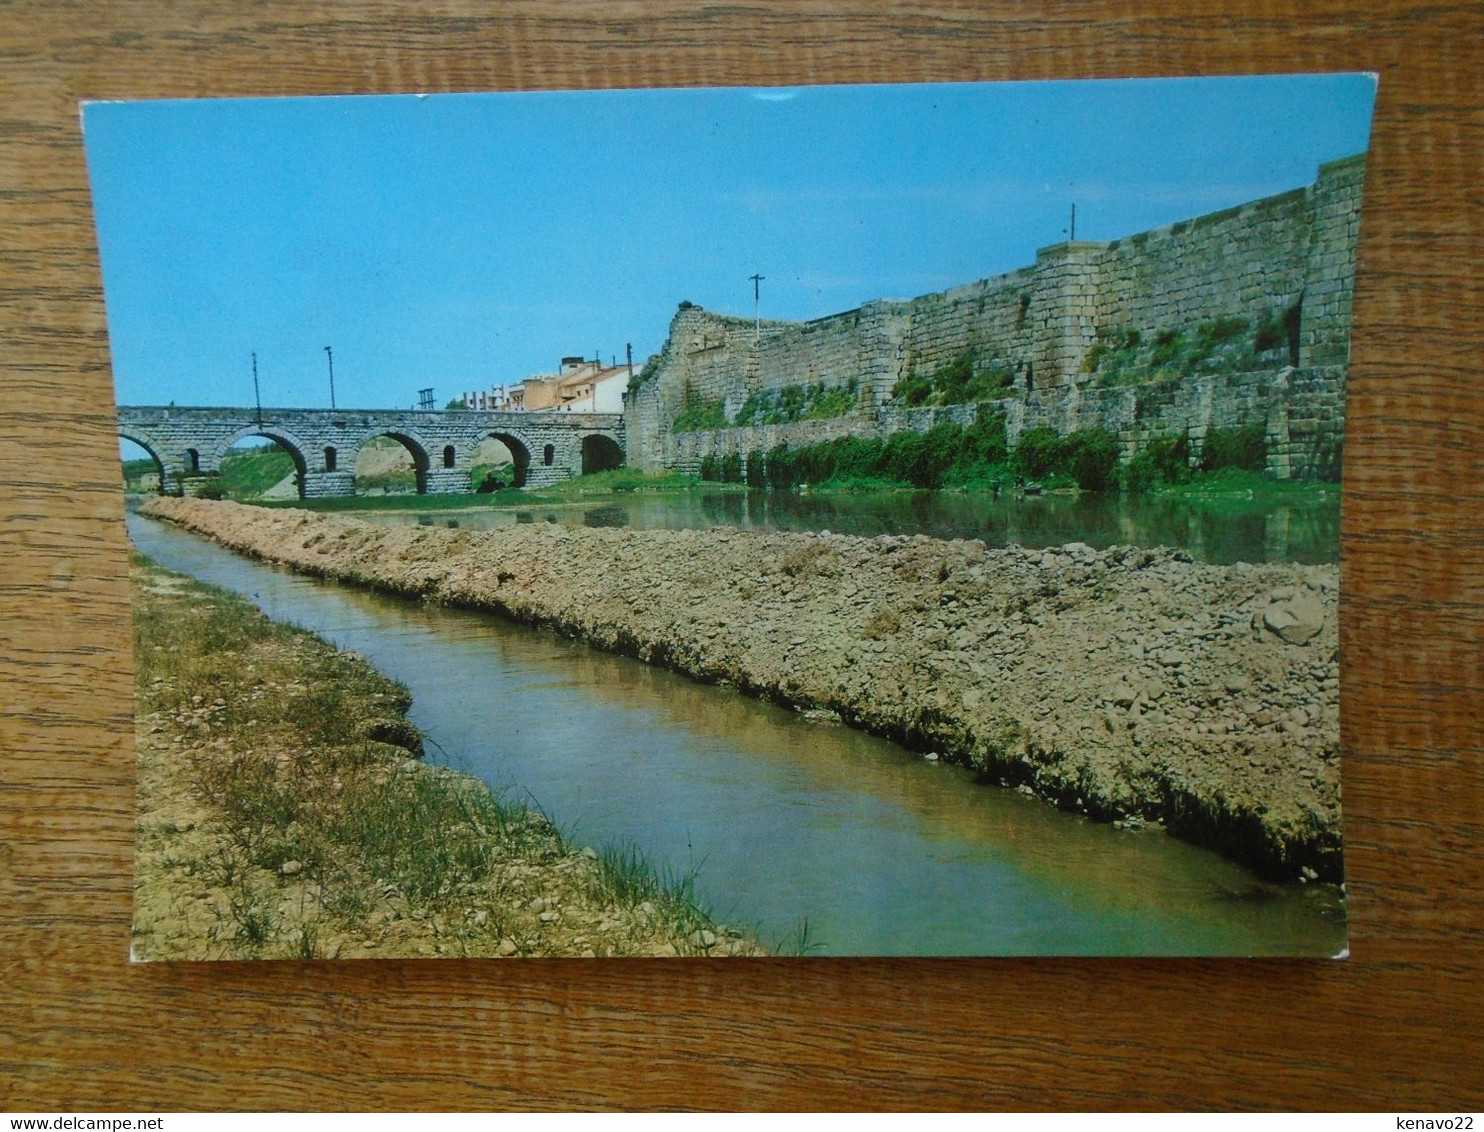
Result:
x=195 y=484
x=447 y=481
x=324 y=485
x=542 y=475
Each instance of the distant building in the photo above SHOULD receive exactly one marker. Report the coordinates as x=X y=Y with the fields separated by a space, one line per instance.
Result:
x=581 y=385
x=499 y=399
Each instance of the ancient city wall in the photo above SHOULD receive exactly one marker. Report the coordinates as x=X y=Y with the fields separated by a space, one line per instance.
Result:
x=1303 y=410
x=1286 y=261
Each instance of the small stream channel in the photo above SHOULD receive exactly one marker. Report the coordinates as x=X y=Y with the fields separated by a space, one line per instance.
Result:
x=783 y=820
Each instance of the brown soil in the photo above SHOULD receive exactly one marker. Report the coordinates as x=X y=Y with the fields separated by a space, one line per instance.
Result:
x=1130 y=684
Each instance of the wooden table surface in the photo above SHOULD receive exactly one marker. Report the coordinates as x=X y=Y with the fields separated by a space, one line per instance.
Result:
x=1395 y=1027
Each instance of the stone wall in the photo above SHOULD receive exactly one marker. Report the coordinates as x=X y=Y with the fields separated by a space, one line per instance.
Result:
x=1290 y=256
x=1302 y=411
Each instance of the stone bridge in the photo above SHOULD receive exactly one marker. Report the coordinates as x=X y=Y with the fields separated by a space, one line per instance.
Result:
x=190 y=443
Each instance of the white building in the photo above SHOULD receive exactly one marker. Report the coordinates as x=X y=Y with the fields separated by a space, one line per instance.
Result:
x=581 y=385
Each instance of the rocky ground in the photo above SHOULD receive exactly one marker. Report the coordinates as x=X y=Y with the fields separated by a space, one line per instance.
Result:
x=1130 y=684
x=282 y=813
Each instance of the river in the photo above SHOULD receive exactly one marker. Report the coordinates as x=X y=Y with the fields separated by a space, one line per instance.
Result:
x=782 y=819
x=1220 y=530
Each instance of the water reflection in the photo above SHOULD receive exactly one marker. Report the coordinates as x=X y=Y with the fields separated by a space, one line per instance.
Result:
x=1211 y=530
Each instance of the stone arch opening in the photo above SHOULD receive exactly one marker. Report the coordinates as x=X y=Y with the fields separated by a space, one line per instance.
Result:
x=262 y=465
x=331 y=457
x=1293 y=322
x=143 y=470
x=600 y=454
x=391 y=463
x=548 y=454
x=448 y=455
x=192 y=460
x=492 y=465
x=520 y=457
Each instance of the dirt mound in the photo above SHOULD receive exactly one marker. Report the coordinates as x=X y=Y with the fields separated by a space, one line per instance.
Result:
x=1130 y=684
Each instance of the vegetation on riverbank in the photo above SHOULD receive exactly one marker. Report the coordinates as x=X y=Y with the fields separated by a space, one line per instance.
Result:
x=979 y=457
x=282 y=815
x=950 y=457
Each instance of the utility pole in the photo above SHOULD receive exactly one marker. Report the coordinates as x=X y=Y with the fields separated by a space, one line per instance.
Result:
x=1072 y=231
x=256 y=399
x=757 y=304
x=628 y=349
x=330 y=357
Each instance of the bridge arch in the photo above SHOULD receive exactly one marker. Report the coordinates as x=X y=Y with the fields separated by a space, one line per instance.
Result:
x=416 y=447
x=280 y=436
x=600 y=453
x=520 y=452
x=150 y=448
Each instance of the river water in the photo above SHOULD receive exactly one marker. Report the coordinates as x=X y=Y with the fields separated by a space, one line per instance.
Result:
x=783 y=819
x=1223 y=531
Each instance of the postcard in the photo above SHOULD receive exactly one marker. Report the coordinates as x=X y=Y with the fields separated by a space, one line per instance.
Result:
x=843 y=520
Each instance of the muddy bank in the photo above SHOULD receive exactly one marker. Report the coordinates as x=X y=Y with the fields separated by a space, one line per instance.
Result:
x=283 y=813
x=1130 y=684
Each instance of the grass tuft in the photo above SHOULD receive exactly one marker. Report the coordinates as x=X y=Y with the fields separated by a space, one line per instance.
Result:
x=273 y=732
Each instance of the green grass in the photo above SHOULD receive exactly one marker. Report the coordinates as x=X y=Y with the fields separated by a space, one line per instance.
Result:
x=798 y=403
x=977 y=458
x=1239 y=483
x=799 y=941
x=863 y=485
x=504 y=472
x=1125 y=355
x=948 y=455
x=626 y=876
x=247 y=473
x=700 y=416
x=963 y=381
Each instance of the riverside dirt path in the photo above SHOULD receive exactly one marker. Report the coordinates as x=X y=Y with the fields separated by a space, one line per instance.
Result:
x=1130 y=684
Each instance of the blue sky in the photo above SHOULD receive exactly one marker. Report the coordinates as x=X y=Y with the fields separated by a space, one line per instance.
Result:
x=462 y=241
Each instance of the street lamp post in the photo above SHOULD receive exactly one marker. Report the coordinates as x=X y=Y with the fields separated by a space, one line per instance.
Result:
x=330 y=357
x=257 y=399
